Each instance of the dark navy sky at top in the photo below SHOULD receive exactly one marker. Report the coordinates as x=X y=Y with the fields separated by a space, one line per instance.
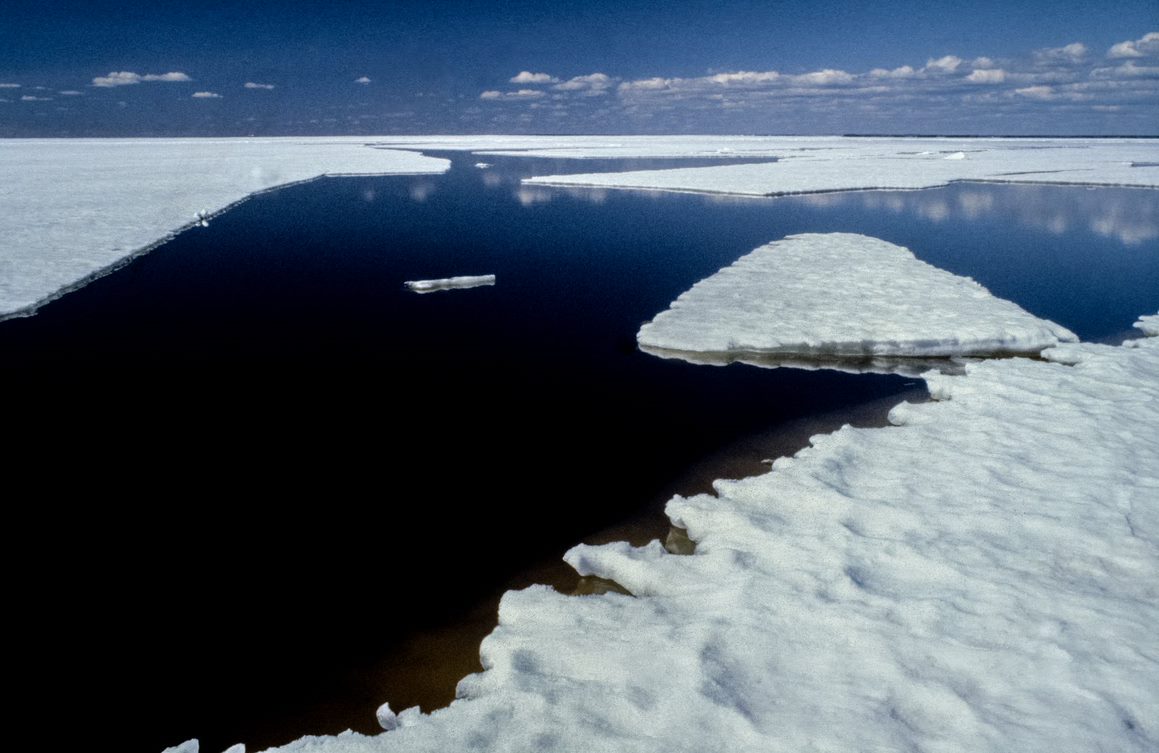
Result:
x=428 y=61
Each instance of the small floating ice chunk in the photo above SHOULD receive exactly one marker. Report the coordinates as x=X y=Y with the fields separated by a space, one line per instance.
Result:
x=450 y=283
x=482 y=165
x=844 y=295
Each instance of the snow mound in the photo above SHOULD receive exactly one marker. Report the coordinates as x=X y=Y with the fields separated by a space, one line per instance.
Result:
x=843 y=295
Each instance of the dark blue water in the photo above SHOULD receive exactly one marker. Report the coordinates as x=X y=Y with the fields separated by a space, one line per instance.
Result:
x=321 y=467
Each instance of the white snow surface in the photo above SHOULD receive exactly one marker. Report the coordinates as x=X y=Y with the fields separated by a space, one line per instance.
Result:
x=1149 y=325
x=837 y=164
x=983 y=575
x=189 y=746
x=450 y=283
x=843 y=294
x=73 y=209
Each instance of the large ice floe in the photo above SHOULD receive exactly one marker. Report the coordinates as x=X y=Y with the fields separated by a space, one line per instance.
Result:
x=841 y=295
x=982 y=575
x=74 y=209
x=835 y=164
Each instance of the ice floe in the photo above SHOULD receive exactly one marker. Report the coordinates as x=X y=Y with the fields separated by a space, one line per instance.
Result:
x=73 y=209
x=450 y=283
x=821 y=165
x=842 y=295
x=808 y=164
x=983 y=575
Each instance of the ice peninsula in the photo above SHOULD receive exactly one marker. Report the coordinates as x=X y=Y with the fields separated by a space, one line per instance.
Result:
x=843 y=295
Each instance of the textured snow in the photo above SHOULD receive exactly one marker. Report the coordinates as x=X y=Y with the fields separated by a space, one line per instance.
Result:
x=842 y=294
x=981 y=576
x=72 y=209
x=450 y=283
x=189 y=746
x=819 y=165
x=1149 y=325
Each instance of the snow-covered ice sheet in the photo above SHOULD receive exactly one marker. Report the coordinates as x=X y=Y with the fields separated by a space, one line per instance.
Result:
x=843 y=294
x=901 y=365
x=833 y=164
x=72 y=209
x=450 y=283
x=983 y=575
x=599 y=147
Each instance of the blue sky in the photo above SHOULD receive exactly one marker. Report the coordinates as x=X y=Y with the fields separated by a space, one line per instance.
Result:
x=349 y=67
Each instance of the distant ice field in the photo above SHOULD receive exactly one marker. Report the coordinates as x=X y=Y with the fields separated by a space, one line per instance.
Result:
x=866 y=164
x=72 y=209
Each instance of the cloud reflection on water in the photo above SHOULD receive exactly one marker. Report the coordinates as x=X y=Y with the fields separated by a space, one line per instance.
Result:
x=1130 y=217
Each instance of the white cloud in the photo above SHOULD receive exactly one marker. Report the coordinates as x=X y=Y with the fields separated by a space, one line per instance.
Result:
x=521 y=94
x=252 y=85
x=9 y=86
x=593 y=81
x=362 y=80
x=827 y=77
x=1071 y=53
x=1062 y=80
x=527 y=77
x=1148 y=45
x=746 y=78
x=1036 y=92
x=904 y=71
x=987 y=76
x=206 y=95
x=128 y=78
x=945 y=64
x=647 y=84
x=1128 y=69
x=117 y=78
x=171 y=76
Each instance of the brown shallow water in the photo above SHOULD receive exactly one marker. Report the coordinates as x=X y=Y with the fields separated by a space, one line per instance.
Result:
x=425 y=669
